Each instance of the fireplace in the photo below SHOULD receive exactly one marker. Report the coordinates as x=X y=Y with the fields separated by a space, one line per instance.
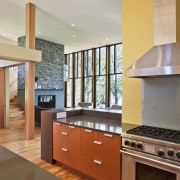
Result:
x=47 y=101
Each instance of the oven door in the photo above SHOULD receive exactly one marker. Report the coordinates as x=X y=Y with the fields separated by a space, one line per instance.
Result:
x=140 y=166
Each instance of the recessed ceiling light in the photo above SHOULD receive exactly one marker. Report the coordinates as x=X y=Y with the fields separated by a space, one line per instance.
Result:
x=106 y=39
x=72 y=25
x=74 y=36
x=39 y=33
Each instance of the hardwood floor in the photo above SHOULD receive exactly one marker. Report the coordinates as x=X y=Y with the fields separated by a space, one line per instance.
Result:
x=13 y=139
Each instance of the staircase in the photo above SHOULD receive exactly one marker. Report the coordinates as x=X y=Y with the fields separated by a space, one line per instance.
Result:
x=16 y=111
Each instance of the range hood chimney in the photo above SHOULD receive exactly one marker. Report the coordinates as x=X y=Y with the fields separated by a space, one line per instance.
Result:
x=164 y=57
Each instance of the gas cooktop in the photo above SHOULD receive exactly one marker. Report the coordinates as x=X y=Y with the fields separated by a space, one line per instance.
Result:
x=156 y=133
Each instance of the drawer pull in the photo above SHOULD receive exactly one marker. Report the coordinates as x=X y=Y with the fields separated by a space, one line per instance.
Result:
x=72 y=127
x=58 y=124
x=64 y=149
x=97 y=162
x=108 y=135
x=98 y=142
x=88 y=130
x=64 y=133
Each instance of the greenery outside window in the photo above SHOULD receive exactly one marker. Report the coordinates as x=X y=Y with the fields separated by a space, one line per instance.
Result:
x=95 y=76
x=88 y=76
x=116 y=74
x=77 y=77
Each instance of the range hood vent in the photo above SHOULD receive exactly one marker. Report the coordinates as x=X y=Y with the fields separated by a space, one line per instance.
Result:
x=164 y=57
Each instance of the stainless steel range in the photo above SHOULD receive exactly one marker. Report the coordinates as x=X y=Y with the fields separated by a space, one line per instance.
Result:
x=150 y=153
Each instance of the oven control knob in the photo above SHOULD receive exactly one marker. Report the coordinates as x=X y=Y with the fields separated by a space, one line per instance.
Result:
x=139 y=146
x=170 y=152
x=126 y=142
x=178 y=154
x=160 y=152
x=133 y=144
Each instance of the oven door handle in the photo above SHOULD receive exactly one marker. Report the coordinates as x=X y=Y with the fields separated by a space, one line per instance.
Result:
x=151 y=159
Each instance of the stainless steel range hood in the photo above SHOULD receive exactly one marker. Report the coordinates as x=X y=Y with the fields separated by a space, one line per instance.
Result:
x=164 y=58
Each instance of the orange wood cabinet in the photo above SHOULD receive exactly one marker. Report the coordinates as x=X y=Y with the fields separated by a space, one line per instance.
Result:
x=66 y=144
x=100 y=154
x=92 y=152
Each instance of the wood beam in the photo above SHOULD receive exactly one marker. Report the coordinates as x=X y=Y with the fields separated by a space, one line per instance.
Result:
x=29 y=72
x=2 y=96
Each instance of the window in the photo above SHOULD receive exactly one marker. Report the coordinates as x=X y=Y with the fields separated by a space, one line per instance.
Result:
x=100 y=77
x=77 y=77
x=115 y=74
x=69 y=83
x=95 y=76
x=88 y=76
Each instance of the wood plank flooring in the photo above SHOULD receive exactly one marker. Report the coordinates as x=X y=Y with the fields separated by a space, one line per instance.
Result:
x=13 y=139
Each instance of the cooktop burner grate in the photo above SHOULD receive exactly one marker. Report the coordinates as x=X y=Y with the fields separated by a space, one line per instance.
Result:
x=156 y=133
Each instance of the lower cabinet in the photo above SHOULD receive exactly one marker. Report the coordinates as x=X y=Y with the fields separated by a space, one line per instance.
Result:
x=92 y=152
x=100 y=154
x=66 y=144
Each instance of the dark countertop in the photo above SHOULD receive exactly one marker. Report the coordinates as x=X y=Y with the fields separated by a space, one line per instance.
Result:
x=92 y=122
x=87 y=109
x=15 y=167
x=97 y=123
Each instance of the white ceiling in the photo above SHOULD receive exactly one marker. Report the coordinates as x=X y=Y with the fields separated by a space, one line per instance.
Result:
x=97 y=22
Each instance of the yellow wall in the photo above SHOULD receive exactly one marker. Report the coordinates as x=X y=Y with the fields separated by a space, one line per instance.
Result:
x=137 y=35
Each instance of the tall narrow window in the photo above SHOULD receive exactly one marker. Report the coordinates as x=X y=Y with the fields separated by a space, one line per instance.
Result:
x=88 y=76
x=100 y=61
x=77 y=77
x=69 y=83
x=116 y=74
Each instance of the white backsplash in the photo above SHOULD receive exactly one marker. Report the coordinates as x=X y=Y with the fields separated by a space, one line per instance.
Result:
x=161 y=102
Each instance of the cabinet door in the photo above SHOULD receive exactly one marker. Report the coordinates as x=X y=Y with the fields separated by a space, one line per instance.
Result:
x=91 y=166
x=73 y=137
x=88 y=148
x=110 y=149
x=73 y=146
x=60 y=135
x=61 y=154
x=109 y=172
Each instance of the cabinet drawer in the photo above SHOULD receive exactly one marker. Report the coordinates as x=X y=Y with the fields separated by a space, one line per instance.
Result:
x=66 y=156
x=110 y=149
x=88 y=167
x=60 y=154
x=99 y=169
x=73 y=137
x=87 y=139
x=59 y=127
x=59 y=139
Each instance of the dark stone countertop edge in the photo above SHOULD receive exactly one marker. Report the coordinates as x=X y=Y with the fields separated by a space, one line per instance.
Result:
x=99 y=124
x=103 y=125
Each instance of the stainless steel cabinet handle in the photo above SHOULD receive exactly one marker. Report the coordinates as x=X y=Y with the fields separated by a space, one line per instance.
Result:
x=88 y=130
x=98 y=142
x=64 y=133
x=72 y=127
x=58 y=124
x=108 y=135
x=64 y=149
x=97 y=162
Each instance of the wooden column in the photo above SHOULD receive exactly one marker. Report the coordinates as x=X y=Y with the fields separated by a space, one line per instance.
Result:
x=29 y=72
x=2 y=96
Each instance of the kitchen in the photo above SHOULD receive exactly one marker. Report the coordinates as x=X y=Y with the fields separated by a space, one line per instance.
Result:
x=132 y=97
x=151 y=151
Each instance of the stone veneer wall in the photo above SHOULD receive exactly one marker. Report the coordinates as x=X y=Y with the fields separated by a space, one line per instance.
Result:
x=50 y=71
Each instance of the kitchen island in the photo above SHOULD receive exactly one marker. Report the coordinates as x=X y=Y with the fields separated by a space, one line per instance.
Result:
x=15 y=167
x=87 y=140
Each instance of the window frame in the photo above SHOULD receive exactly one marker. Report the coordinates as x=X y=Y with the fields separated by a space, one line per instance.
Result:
x=86 y=73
